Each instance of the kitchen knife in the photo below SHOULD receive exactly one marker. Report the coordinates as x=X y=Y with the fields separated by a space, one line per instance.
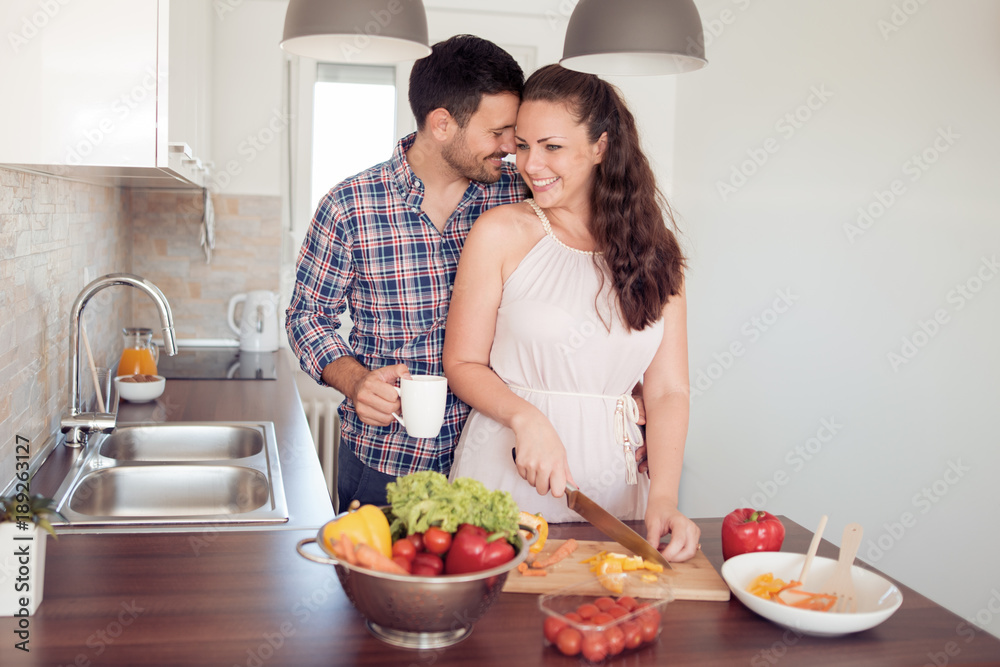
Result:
x=608 y=523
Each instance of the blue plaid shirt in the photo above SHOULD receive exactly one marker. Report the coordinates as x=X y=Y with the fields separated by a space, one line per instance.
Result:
x=371 y=249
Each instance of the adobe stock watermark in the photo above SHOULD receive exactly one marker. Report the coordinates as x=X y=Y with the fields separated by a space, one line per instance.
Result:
x=786 y=126
x=959 y=296
x=900 y=15
x=121 y=109
x=913 y=168
x=380 y=19
x=249 y=149
x=33 y=24
x=796 y=458
x=102 y=639
x=752 y=329
x=223 y=7
x=923 y=501
x=714 y=26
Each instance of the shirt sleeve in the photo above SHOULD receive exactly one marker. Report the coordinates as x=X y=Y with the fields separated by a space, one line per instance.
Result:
x=323 y=279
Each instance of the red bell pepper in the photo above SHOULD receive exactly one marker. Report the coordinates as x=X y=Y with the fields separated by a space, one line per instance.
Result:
x=745 y=530
x=472 y=551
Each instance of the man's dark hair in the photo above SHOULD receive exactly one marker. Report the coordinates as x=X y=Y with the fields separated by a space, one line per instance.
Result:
x=456 y=75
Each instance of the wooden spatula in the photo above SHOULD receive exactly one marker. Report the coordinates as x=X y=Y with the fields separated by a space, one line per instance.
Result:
x=841 y=582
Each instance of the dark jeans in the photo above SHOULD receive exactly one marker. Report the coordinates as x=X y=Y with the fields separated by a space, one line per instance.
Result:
x=356 y=481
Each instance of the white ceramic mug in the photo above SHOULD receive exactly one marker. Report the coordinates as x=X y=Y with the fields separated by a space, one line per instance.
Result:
x=423 y=398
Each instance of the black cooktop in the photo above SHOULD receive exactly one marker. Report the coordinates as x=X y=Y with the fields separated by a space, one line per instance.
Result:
x=217 y=363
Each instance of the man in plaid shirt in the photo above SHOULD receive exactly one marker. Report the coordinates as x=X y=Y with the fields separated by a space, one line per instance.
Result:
x=385 y=243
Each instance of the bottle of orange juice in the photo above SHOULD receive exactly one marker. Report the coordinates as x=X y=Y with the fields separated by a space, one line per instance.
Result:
x=140 y=354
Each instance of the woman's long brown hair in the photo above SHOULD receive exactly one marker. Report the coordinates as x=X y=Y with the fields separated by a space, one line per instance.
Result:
x=640 y=253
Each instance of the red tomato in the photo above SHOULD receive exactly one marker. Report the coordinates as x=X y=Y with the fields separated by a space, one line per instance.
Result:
x=553 y=624
x=627 y=601
x=633 y=634
x=649 y=628
x=573 y=616
x=604 y=603
x=617 y=611
x=602 y=618
x=651 y=613
x=587 y=610
x=404 y=563
x=424 y=571
x=616 y=639
x=426 y=560
x=404 y=547
x=437 y=541
x=595 y=646
x=568 y=641
x=417 y=539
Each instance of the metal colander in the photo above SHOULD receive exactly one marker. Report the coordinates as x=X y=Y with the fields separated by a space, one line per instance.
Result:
x=414 y=611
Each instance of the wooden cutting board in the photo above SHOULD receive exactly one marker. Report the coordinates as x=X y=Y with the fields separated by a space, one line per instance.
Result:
x=694 y=580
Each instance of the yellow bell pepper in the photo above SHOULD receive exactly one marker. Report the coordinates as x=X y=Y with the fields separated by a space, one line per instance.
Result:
x=365 y=525
x=539 y=525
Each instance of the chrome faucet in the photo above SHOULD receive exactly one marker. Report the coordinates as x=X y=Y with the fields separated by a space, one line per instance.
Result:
x=77 y=425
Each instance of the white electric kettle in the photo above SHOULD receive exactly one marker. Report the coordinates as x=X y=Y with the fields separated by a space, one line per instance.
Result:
x=258 y=328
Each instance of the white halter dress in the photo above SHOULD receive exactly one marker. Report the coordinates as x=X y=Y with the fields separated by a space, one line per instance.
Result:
x=554 y=349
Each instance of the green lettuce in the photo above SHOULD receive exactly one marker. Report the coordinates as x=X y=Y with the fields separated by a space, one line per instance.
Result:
x=424 y=499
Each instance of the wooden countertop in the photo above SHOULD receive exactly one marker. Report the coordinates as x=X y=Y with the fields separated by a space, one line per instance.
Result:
x=247 y=598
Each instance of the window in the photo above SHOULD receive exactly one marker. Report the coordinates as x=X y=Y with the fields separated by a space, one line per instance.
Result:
x=354 y=122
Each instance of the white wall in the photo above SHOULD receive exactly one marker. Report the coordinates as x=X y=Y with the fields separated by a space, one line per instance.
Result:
x=248 y=117
x=878 y=100
x=911 y=450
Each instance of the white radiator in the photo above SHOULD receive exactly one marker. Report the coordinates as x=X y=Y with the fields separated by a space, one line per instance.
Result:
x=325 y=426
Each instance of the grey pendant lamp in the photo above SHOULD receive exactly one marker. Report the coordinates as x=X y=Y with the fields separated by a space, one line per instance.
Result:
x=356 y=31
x=634 y=37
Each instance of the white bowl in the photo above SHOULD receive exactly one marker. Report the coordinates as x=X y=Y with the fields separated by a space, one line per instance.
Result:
x=877 y=597
x=140 y=392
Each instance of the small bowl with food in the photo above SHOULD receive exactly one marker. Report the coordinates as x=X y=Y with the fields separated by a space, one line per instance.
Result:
x=425 y=568
x=803 y=607
x=140 y=388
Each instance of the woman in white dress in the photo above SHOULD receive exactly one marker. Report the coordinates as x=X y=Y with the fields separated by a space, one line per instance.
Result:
x=561 y=304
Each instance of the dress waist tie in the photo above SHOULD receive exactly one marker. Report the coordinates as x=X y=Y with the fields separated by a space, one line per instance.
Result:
x=626 y=412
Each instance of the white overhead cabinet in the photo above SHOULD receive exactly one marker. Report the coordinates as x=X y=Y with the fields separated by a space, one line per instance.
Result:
x=112 y=91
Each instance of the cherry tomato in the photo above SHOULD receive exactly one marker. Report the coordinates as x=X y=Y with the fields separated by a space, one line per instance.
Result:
x=573 y=616
x=568 y=641
x=426 y=560
x=616 y=639
x=651 y=613
x=424 y=571
x=633 y=634
x=437 y=541
x=587 y=610
x=404 y=547
x=553 y=624
x=602 y=618
x=404 y=563
x=595 y=646
x=628 y=602
x=617 y=611
x=604 y=603
x=650 y=627
x=417 y=539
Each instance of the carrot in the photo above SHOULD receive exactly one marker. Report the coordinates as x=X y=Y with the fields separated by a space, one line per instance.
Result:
x=347 y=547
x=371 y=558
x=565 y=549
x=528 y=572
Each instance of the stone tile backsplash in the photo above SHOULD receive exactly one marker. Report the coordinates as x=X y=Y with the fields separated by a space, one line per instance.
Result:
x=56 y=235
x=166 y=248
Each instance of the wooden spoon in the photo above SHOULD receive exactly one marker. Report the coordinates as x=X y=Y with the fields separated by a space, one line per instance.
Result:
x=841 y=582
x=813 y=546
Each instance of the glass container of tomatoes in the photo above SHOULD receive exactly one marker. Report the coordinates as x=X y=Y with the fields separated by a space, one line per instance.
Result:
x=578 y=623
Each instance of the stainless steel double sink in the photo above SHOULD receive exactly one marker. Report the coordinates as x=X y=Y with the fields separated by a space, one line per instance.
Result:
x=176 y=474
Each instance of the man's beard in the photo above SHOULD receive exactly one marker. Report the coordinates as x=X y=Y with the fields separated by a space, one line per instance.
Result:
x=458 y=157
